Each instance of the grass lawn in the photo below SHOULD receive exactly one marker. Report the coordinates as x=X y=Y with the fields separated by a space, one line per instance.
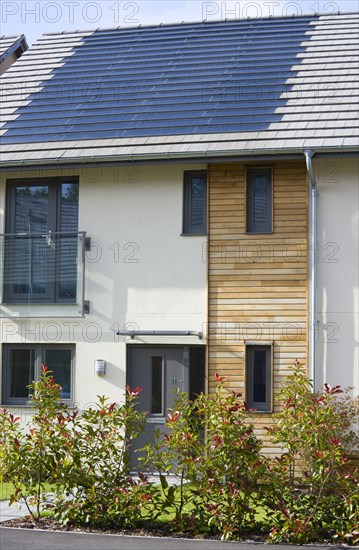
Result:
x=6 y=489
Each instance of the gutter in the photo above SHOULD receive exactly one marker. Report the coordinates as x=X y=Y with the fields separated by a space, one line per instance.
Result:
x=146 y=160
x=313 y=321
x=133 y=333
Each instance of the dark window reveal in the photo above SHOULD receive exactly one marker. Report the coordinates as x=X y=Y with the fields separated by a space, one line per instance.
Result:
x=259 y=200
x=157 y=385
x=259 y=377
x=195 y=203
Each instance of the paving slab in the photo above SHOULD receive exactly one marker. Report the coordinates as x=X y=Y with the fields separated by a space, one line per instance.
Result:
x=11 y=512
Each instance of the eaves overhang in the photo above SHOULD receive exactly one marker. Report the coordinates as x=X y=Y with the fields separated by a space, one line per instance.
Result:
x=210 y=157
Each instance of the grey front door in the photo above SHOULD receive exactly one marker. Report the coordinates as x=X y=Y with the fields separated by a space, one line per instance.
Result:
x=160 y=372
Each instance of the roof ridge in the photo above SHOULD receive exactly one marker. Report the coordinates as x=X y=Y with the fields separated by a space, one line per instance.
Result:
x=8 y=37
x=204 y=22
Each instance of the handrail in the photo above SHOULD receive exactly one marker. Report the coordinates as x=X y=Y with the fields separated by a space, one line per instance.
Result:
x=42 y=234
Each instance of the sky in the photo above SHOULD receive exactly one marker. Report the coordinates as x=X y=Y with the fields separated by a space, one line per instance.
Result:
x=36 y=17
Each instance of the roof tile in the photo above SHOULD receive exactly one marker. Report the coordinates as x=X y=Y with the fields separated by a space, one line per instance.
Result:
x=269 y=83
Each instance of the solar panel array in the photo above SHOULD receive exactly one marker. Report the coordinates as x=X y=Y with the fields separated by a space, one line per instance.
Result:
x=185 y=89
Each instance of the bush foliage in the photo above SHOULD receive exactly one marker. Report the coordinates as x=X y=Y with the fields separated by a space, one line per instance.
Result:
x=309 y=492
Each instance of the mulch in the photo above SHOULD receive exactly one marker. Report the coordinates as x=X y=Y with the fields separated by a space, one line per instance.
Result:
x=48 y=524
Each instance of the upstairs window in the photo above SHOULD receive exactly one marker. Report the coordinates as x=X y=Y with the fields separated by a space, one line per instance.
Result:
x=259 y=200
x=259 y=377
x=195 y=203
x=41 y=245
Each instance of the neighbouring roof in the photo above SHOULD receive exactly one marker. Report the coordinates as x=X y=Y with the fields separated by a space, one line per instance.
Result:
x=186 y=90
x=12 y=45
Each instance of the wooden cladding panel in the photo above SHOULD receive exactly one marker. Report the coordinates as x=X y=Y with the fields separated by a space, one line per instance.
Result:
x=258 y=283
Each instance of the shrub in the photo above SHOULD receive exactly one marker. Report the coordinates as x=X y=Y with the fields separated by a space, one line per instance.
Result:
x=94 y=483
x=310 y=493
x=83 y=456
x=29 y=460
x=222 y=470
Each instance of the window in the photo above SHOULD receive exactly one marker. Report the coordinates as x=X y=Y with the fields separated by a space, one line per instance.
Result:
x=157 y=385
x=259 y=377
x=22 y=365
x=259 y=200
x=195 y=203
x=41 y=246
x=197 y=370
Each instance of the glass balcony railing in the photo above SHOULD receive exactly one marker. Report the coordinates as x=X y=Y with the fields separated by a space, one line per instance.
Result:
x=42 y=274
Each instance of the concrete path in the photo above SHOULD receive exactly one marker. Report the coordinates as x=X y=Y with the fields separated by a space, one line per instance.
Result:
x=25 y=539
x=11 y=512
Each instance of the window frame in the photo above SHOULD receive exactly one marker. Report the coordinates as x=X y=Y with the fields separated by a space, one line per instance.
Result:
x=39 y=358
x=267 y=405
x=250 y=228
x=54 y=184
x=187 y=226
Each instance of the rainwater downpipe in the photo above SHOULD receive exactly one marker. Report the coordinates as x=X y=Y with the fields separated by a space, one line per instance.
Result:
x=308 y=153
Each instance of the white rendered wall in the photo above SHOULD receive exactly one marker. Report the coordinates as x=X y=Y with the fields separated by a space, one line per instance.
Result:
x=338 y=275
x=140 y=273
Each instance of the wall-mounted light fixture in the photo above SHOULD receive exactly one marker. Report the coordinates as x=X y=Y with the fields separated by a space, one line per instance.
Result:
x=100 y=367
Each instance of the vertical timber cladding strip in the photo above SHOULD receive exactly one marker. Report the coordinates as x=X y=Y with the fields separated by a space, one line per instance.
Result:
x=258 y=284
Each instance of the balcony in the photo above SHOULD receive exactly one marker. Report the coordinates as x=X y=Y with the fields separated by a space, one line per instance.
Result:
x=42 y=274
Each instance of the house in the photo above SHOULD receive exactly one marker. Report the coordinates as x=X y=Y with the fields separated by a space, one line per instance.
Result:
x=11 y=48
x=179 y=200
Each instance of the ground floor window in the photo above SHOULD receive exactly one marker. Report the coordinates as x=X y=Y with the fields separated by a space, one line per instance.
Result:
x=22 y=365
x=259 y=377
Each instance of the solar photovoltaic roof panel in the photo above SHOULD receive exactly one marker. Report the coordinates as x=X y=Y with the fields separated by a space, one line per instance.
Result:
x=263 y=78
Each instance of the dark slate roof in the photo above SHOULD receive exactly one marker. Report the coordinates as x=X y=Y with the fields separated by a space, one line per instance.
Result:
x=186 y=90
x=12 y=44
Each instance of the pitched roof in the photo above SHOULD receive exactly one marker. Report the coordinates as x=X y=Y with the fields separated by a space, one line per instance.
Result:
x=12 y=44
x=186 y=90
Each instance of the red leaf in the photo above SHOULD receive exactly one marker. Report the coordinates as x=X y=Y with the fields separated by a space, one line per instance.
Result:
x=45 y=369
x=332 y=391
x=173 y=417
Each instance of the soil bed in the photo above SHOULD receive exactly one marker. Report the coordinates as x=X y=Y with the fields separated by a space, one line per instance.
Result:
x=51 y=525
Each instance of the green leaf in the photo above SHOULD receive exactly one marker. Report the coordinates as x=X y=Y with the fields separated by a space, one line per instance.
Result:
x=164 y=483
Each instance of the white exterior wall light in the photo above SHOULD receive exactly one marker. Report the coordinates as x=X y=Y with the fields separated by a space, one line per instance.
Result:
x=100 y=367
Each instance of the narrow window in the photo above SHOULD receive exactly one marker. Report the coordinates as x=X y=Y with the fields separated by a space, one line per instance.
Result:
x=195 y=203
x=197 y=367
x=157 y=385
x=259 y=377
x=22 y=365
x=259 y=200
